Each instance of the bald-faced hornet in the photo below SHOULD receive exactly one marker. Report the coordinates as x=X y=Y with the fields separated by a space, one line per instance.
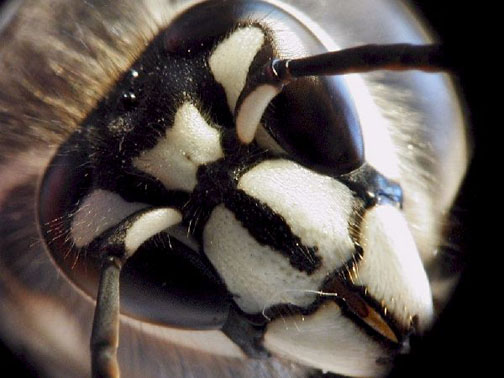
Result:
x=239 y=195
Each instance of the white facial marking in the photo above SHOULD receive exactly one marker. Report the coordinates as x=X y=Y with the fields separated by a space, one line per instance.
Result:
x=326 y=340
x=251 y=111
x=99 y=211
x=232 y=58
x=257 y=275
x=149 y=224
x=189 y=143
x=316 y=207
x=391 y=268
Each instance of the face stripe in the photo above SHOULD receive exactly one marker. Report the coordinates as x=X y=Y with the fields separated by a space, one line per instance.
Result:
x=255 y=274
x=317 y=208
x=261 y=257
x=231 y=60
x=391 y=268
x=99 y=211
x=269 y=228
x=251 y=111
x=189 y=143
x=147 y=225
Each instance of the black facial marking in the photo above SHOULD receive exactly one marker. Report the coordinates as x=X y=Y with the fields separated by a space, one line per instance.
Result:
x=217 y=181
x=315 y=123
x=217 y=184
x=269 y=228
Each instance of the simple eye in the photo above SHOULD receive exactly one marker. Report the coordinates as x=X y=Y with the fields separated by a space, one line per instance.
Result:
x=279 y=246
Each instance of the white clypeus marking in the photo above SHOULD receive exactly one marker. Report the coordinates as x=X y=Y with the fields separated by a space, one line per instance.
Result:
x=251 y=111
x=189 y=143
x=325 y=340
x=148 y=225
x=316 y=208
x=255 y=274
x=391 y=268
x=231 y=60
x=99 y=211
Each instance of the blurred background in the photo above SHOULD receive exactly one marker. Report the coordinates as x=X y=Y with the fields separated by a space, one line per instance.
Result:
x=459 y=344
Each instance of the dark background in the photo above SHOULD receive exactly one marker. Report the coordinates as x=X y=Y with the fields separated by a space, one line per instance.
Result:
x=459 y=343
x=462 y=342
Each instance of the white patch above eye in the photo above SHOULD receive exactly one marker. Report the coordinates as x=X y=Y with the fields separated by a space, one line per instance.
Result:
x=231 y=60
x=148 y=225
x=326 y=340
x=99 y=211
x=391 y=268
x=189 y=143
x=316 y=207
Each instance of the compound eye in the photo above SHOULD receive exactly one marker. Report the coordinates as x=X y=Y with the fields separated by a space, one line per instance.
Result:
x=315 y=121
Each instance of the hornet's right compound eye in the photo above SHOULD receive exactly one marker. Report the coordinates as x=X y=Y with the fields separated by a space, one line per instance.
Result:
x=315 y=121
x=308 y=109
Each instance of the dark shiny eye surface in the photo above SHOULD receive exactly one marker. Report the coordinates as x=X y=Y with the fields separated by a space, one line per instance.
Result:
x=328 y=141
